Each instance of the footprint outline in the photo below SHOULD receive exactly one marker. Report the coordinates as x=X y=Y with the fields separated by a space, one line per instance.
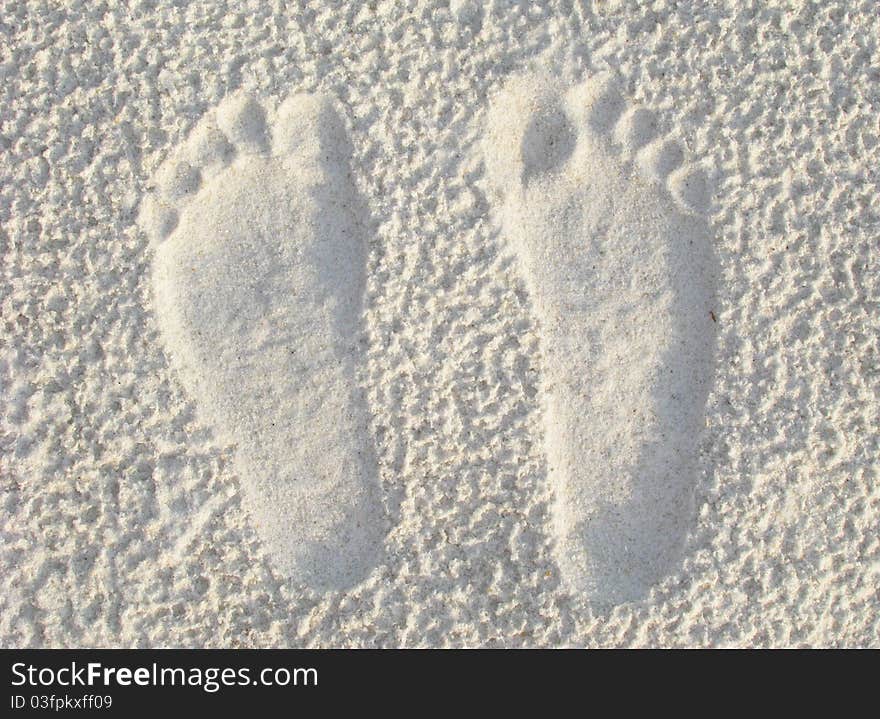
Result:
x=259 y=239
x=619 y=525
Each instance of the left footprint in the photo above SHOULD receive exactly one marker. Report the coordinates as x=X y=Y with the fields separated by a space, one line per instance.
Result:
x=260 y=257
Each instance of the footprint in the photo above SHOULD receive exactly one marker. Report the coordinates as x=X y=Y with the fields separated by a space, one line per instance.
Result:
x=258 y=276
x=608 y=223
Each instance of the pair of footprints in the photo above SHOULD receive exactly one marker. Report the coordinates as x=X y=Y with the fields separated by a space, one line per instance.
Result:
x=259 y=276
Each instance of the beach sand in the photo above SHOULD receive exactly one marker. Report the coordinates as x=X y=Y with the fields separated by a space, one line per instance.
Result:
x=440 y=324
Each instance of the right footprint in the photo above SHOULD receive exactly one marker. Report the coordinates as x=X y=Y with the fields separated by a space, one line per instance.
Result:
x=608 y=223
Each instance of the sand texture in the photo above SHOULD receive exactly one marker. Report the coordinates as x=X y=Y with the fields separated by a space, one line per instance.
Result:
x=502 y=324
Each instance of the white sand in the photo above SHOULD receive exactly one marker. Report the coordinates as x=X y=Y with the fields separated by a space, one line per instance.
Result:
x=439 y=324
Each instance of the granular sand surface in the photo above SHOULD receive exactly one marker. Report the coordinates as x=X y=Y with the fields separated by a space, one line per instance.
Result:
x=451 y=434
